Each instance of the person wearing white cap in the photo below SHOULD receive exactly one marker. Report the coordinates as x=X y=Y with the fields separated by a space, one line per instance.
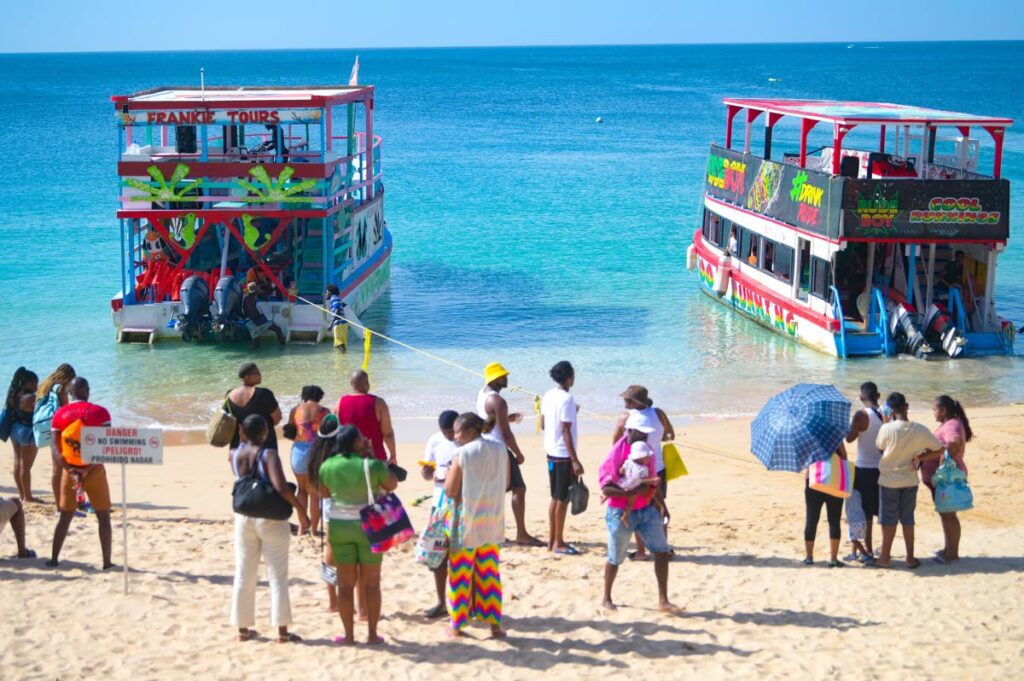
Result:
x=633 y=511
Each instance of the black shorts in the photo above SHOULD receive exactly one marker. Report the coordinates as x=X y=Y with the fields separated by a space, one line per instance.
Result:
x=515 y=480
x=865 y=481
x=560 y=477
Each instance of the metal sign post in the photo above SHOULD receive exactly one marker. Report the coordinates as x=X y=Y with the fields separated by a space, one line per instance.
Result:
x=114 y=444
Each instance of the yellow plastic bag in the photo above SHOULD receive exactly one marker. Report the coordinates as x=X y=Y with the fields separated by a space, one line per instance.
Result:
x=674 y=466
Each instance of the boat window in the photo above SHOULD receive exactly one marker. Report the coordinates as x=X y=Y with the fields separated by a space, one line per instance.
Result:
x=819 y=278
x=768 y=260
x=804 y=267
x=714 y=226
x=749 y=247
x=782 y=264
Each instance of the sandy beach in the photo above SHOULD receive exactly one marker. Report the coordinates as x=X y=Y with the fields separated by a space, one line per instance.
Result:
x=751 y=608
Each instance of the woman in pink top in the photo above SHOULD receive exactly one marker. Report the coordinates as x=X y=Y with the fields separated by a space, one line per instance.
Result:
x=954 y=432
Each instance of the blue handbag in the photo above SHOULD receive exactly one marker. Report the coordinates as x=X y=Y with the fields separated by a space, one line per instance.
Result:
x=952 y=493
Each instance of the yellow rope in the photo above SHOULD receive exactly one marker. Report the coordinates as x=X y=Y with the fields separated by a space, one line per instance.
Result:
x=368 y=333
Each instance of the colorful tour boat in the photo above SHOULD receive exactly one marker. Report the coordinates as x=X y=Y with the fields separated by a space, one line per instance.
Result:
x=225 y=186
x=883 y=240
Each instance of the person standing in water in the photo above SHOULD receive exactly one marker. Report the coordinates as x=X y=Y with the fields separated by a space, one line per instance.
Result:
x=864 y=427
x=491 y=406
x=370 y=414
x=339 y=327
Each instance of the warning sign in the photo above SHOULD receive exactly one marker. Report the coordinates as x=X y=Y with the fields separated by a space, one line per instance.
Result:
x=115 y=444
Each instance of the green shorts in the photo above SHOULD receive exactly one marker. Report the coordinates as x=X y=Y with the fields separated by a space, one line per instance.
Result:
x=350 y=545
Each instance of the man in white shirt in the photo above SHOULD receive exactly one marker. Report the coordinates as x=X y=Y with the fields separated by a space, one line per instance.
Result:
x=558 y=419
x=437 y=457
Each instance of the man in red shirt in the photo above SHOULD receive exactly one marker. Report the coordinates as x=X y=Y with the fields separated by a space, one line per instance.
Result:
x=370 y=414
x=67 y=426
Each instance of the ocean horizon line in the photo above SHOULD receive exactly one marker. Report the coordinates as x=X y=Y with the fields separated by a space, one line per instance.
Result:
x=516 y=46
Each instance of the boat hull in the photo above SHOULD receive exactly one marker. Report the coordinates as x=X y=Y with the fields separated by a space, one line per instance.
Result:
x=359 y=290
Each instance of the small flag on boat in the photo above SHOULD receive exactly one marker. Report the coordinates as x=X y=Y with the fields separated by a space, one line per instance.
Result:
x=353 y=79
x=367 y=341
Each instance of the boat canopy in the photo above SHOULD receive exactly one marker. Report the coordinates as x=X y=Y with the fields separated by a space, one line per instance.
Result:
x=846 y=115
x=218 y=98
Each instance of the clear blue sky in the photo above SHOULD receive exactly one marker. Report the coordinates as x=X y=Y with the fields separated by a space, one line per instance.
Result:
x=106 y=25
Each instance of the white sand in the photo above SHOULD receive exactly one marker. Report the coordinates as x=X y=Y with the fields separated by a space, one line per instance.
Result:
x=751 y=608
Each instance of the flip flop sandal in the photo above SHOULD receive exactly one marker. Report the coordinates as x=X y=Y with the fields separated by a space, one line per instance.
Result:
x=435 y=612
x=632 y=555
x=290 y=638
x=808 y=561
x=29 y=553
x=836 y=564
x=939 y=559
x=913 y=566
x=344 y=641
x=567 y=551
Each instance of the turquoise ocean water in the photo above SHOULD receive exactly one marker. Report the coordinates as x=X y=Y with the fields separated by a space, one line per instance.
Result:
x=524 y=231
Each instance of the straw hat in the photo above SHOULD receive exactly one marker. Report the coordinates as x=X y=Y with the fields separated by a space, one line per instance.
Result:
x=493 y=372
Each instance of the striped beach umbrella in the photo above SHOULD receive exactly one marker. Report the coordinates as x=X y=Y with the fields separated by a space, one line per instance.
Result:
x=800 y=426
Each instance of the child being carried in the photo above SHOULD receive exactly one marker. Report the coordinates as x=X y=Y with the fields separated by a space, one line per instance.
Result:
x=635 y=471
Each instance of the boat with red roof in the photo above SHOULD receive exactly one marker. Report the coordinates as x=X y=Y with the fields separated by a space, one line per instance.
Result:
x=221 y=187
x=882 y=240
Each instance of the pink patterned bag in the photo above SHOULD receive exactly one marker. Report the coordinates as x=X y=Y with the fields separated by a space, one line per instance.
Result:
x=384 y=520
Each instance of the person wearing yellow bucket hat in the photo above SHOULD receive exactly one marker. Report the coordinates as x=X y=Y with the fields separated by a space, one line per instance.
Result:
x=493 y=408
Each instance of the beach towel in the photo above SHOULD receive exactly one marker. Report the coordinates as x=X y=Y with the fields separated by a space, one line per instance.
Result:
x=855 y=517
x=608 y=473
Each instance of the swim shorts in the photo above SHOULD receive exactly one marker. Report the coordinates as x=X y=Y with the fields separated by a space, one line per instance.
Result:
x=515 y=480
x=559 y=478
x=95 y=485
x=865 y=481
x=897 y=504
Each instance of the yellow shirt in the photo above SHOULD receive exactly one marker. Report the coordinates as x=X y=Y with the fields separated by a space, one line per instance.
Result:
x=900 y=442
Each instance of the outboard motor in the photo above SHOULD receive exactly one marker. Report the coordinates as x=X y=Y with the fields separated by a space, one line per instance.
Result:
x=227 y=309
x=939 y=327
x=195 y=302
x=904 y=324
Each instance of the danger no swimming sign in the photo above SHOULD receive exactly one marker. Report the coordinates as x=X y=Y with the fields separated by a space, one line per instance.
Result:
x=117 y=444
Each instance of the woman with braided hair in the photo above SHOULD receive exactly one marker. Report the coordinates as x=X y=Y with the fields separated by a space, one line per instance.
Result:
x=20 y=403
x=51 y=396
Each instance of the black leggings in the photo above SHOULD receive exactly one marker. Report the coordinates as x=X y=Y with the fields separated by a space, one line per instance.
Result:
x=833 y=510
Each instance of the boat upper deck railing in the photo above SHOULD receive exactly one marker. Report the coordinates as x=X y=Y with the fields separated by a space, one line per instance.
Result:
x=161 y=179
x=854 y=208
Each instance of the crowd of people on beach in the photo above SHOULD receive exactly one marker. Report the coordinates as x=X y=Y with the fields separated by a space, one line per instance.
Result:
x=345 y=459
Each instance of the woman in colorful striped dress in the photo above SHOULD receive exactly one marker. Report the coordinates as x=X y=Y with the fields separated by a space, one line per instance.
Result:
x=476 y=485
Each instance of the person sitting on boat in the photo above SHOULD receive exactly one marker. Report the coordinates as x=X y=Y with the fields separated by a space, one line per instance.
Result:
x=264 y=287
x=256 y=322
x=734 y=244
x=752 y=258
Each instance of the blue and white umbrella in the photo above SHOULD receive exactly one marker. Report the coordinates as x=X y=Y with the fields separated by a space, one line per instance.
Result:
x=800 y=426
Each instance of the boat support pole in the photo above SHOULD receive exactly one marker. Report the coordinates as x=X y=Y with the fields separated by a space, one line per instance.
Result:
x=224 y=251
x=990 y=285
x=931 y=277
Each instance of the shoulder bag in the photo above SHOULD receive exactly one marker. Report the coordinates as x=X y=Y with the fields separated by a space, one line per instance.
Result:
x=432 y=545
x=6 y=422
x=255 y=497
x=384 y=520
x=222 y=426
x=952 y=493
x=579 y=496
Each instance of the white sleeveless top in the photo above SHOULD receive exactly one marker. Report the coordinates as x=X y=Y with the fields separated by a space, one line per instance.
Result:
x=484 y=477
x=868 y=453
x=650 y=417
x=481 y=410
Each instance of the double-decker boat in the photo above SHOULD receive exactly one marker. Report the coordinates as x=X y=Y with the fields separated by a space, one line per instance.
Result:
x=225 y=186
x=891 y=248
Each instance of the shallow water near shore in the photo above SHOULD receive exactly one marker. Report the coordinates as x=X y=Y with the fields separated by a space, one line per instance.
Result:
x=525 y=232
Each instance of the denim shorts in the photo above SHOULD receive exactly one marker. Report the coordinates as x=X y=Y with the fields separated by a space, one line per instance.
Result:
x=22 y=435
x=896 y=504
x=644 y=521
x=300 y=457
